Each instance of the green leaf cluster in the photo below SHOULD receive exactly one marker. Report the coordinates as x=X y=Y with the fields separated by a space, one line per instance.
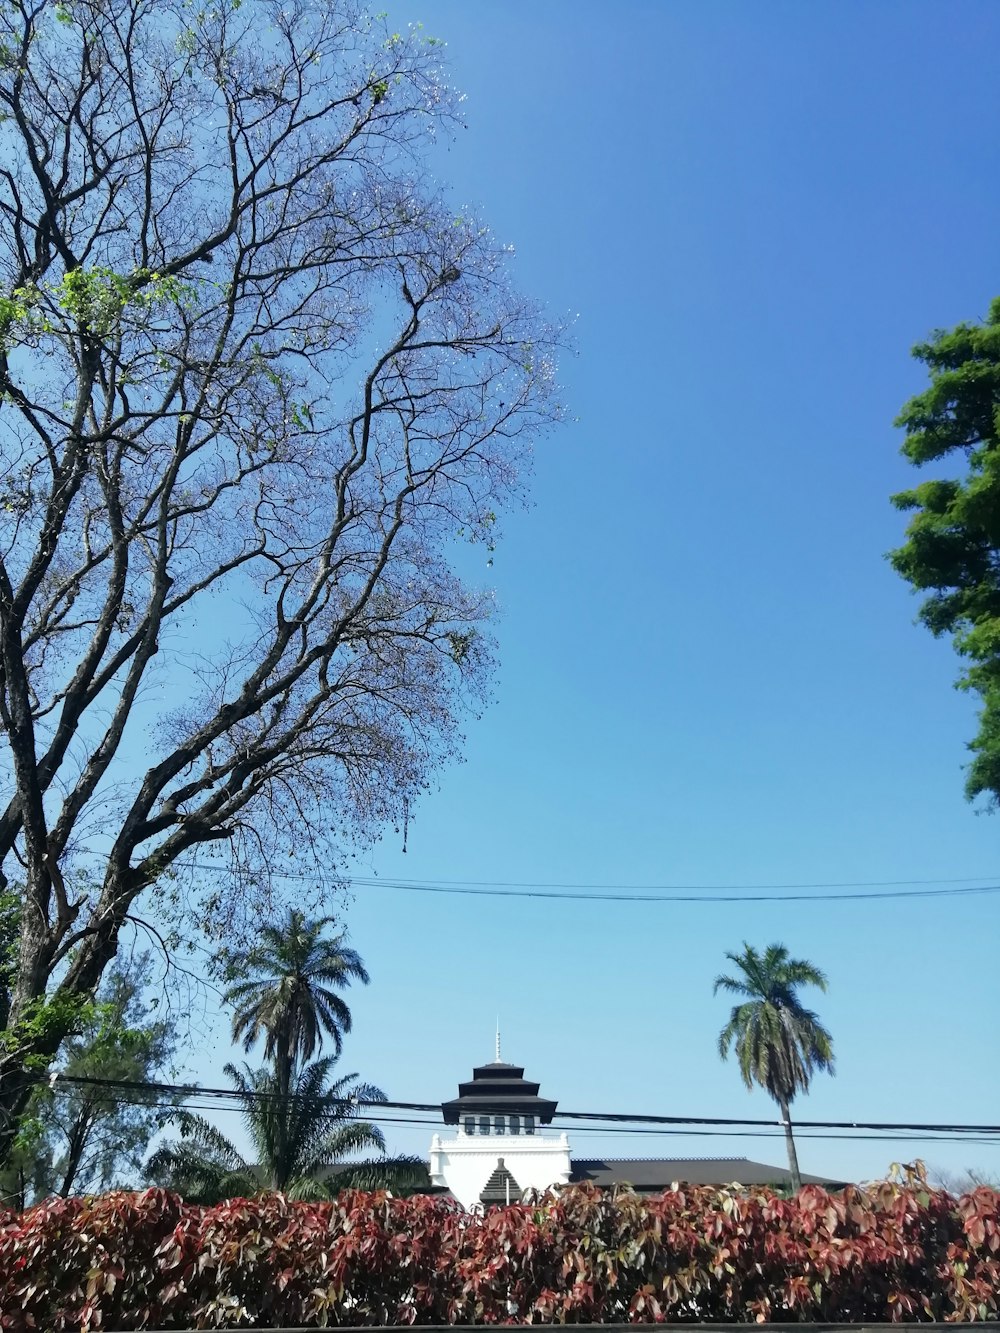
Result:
x=81 y=1136
x=43 y=1018
x=97 y=296
x=94 y=298
x=952 y=547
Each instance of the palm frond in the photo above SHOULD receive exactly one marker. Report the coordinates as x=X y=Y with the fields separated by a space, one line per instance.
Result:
x=284 y=990
x=309 y=1189
x=779 y=1043
x=402 y=1175
x=333 y=1145
x=798 y=972
x=730 y=984
x=201 y=1137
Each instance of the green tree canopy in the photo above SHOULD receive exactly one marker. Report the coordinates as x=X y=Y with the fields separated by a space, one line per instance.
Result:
x=952 y=547
x=779 y=1043
x=86 y=1136
x=298 y=1135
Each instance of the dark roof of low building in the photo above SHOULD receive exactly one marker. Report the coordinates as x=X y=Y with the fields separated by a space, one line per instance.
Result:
x=652 y=1174
x=498 y=1088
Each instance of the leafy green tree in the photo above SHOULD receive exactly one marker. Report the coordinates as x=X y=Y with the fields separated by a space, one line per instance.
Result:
x=779 y=1043
x=290 y=995
x=88 y=1136
x=251 y=355
x=99 y=1135
x=952 y=547
x=298 y=1135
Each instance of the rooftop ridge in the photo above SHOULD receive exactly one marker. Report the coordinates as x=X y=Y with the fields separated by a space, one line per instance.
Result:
x=661 y=1159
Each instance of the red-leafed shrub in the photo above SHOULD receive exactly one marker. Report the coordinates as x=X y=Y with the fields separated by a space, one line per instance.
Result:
x=85 y=1263
x=889 y=1252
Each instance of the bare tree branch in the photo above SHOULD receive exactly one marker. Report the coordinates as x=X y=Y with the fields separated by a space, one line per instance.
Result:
x=255 y=383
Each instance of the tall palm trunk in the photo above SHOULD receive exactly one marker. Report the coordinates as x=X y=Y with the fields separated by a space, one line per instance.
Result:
x=793 y=1158
x=284 y=1055
x=281 y=1109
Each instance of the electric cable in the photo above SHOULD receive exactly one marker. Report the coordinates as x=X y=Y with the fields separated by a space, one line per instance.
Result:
x=681 y=1124
x=881 y=890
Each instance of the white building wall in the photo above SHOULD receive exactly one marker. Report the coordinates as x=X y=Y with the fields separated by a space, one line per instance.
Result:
x=464 y=1164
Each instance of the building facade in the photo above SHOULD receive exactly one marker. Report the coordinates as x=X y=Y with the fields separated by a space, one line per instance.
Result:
x=499 y=1143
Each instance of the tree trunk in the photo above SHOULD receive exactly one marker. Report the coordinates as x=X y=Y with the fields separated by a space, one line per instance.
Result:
x=793 y=1159
x=76 y=1142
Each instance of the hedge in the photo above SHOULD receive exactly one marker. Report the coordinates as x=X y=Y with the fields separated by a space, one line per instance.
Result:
x=888 y=1252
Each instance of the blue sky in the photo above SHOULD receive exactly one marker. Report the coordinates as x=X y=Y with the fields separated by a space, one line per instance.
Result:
x=710 y=675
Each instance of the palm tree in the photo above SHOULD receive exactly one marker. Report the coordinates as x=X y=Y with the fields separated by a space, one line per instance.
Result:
x=779 y=1043
x=290 y=997
x=299 y=1137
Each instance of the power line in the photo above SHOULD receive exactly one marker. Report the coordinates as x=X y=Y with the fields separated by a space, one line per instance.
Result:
x=612 y=1117
x=618 y=1131
x=664 y=888
x=881 y=890
x=614 y=1132
x=679 y=1124
x=624 y=897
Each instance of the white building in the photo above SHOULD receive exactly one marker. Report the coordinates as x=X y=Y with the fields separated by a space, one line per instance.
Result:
x=500 y=1145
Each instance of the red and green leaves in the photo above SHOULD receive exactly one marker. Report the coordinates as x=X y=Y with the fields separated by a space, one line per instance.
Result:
x=887 y=1253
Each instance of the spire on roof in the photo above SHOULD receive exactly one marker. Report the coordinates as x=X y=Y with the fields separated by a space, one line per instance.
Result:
x=498 y=1040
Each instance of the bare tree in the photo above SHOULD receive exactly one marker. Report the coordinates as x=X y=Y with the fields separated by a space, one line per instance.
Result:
x=257 y=378
x=962 y=1182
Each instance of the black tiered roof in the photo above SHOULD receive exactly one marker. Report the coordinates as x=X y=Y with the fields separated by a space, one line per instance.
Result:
x=498 y=1089
x=501 y=1187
